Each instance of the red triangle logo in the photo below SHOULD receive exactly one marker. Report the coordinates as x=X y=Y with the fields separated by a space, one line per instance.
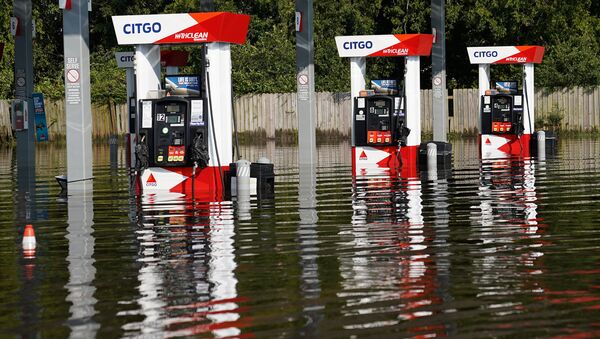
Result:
x=363 y=156
x=487 y=141
x=151 y=180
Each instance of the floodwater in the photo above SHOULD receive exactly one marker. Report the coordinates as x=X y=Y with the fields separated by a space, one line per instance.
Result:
x=506 y=248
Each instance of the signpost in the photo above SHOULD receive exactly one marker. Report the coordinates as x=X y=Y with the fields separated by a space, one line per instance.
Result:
x=438 y=72
x=305 y=81
x=77 y=92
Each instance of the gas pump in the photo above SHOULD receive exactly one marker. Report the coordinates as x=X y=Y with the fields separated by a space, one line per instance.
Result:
x=183 y=147
x=502 y=112
x=380 y=120
x=386 y=128
x=506 y=122
x=172 y=133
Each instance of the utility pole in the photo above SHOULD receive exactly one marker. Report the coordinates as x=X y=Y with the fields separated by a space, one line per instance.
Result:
x=438 y=73
x=22 y=29
x=305 y=82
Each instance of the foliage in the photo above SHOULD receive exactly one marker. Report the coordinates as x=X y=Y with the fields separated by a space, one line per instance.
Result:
x=570 y=31
x=552 y=119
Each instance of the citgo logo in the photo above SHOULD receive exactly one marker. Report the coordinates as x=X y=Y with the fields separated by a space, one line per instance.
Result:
x=139 y=28
x=358 y=45
x=485 y=54
x=363 y=156
x=151 y=181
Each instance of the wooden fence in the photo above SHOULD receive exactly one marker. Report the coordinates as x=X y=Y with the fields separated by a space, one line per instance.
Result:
x=274 y=113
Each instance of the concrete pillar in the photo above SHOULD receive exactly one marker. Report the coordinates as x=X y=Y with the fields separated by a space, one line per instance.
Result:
x=147 y=70
x=528 y=98
x=412 y=84
x=219 y=70
x=358 y=71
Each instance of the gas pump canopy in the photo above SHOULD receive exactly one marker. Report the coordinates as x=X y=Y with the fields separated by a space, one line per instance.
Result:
x=182 y=28
x=385 y=45
x=506 y=55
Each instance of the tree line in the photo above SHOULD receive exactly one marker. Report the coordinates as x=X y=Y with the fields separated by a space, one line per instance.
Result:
x=570 y=31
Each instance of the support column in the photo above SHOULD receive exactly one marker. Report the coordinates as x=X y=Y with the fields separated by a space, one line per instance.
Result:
x=438 y=61
x=147 y=70
x=219 y=70
x=358 y=72
x=77 y=92
x=23 y=89
x=528 y=98
x=484 y=85
x=305 y=81
x=412 y=84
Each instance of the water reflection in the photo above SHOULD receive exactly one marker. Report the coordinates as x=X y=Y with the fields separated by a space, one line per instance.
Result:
x=308 y=238
x=392 y=279
x=81 y=261
x=187 y=280
x=496 y=249
x=506 y=224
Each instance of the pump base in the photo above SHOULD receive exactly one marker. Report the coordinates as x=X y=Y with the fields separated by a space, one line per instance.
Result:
x=384 y=161
x=206 y=184
x=494 y=146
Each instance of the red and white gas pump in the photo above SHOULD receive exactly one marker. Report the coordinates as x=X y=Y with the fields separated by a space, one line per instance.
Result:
x=378 y=149
x=174 y=124
x=506 y=114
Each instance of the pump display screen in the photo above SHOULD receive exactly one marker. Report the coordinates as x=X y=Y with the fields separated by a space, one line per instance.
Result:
x=379 y=103
x=173 y=119
x=502 y=103
x=174 y=108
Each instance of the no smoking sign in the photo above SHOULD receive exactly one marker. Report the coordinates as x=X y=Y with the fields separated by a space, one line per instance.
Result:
x=72 y=75
x=303 y=79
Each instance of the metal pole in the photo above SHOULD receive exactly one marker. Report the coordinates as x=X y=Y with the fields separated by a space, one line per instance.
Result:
x=305 y=81
x=23 y=90
x=438 y=63
x=77 y=92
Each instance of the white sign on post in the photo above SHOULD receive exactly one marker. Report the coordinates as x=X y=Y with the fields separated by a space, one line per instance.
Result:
x=298 y=21
x=14 y=25
x=125 y=59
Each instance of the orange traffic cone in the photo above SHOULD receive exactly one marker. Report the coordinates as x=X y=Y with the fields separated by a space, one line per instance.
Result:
x=29 y=238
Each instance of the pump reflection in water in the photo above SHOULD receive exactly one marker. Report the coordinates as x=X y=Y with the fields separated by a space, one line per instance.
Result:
x=388 y=217
x=188 y=252
x=510 y=232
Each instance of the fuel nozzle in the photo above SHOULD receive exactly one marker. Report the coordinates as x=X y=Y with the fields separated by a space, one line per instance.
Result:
x=199 y=150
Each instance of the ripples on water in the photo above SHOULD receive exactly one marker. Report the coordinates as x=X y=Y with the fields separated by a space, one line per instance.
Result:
x=492 y=249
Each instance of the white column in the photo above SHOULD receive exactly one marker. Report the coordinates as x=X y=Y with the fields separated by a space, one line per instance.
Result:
x=147 y=70
x=529 y=100
x=412 y=84
x=484 y=85
x=358 y=71
x=219 y=59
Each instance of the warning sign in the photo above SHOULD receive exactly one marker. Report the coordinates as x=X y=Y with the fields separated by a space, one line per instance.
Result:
x=72 y=78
